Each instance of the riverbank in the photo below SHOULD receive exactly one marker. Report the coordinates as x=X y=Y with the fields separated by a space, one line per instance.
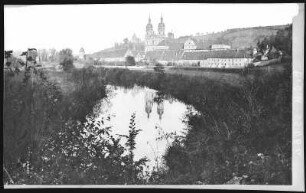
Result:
x=239 y=131
x=242 y=132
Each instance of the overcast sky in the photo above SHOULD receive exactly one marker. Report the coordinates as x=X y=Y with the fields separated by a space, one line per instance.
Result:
x=96 y=27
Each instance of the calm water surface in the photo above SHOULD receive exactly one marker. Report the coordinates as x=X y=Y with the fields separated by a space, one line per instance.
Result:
x=156 y=118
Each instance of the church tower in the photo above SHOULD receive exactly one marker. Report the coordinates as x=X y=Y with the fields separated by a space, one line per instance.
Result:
x=149 y=29
x=153 y=39
x=161 y=27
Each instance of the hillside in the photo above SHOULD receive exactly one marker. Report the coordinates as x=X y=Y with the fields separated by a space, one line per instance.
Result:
x=239 y=37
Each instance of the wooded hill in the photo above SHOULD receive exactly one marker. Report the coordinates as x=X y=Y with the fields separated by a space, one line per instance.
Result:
x=239 y=38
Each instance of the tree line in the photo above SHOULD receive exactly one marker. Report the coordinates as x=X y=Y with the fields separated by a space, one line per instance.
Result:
x=282 y=40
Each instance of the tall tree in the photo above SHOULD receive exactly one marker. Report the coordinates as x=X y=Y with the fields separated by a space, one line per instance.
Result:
x=66 y=59
x=283 y=40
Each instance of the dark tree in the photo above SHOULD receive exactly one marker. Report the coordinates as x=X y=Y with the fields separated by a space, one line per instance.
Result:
x=283 y=40
x=66 y=59
x=130 y=61
x=159 y=68
x=262 y=45
x=8 y=55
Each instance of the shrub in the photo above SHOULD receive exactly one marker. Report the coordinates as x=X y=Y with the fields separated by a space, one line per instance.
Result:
x=130 y=61
x=241 y=132
x=30 y=105
x=159 y=68
x=66 y=59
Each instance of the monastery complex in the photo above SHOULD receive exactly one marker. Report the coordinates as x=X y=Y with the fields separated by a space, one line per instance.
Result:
x=159 y=46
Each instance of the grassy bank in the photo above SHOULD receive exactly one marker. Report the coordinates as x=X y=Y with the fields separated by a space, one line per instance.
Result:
x=241 y=132
x=50 y=136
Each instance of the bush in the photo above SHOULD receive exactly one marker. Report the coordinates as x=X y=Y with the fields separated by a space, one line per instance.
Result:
x=48 y=141
x=66 y=59
x=130 y=61
x=159 y=68
x=31 y=111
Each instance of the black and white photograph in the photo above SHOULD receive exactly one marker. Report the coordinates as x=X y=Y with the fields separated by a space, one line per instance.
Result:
x=166 y=95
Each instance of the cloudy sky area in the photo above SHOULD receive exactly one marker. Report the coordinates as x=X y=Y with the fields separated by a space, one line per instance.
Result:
x=96 y=27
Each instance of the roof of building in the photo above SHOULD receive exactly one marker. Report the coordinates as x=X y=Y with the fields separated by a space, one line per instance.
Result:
x=220 y=45
x=199 y=43
x=154 y=55
x=171 y=55
x=194 y=40
x=82 y=50
x=136 y=52
x=215 y=54
x=172 y=44
x=163 y=55
x=117 y=53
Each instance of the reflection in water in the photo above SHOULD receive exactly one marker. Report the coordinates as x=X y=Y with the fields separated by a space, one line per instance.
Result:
x=156 y=135
x=160 y=109
x=135 y=90
x=125 y=90
x=170 y=100
x=149 y=96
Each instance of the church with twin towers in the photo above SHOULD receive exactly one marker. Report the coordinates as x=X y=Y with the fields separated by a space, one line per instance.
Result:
x=152 y=39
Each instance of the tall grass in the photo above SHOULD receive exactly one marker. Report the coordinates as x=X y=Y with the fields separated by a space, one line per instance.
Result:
x=51 y=137
x=241 y=132
x=30 y=104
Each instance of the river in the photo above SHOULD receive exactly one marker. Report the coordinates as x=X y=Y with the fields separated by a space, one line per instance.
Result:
x=159 y=120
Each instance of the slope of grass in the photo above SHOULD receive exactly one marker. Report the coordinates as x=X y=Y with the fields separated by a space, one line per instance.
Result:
x=240 y=38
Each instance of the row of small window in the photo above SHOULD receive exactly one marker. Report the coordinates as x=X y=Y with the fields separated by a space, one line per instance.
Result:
x=217 y=59
x=211 y=63
x=151 y=42
x=234 y=63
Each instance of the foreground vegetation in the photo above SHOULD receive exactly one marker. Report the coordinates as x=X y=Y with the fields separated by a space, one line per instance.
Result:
x=242 y=134
x=51 y=138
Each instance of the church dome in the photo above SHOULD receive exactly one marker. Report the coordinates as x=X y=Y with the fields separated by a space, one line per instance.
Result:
x=161 y=24
x=149 y=25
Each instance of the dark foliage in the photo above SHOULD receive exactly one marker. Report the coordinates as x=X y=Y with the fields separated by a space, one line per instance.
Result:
x=281 y=41
x=30 y=116
x=66 y=59
x=159 y=68
x=130 y=61
x=241 y=132
x=50 y=138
